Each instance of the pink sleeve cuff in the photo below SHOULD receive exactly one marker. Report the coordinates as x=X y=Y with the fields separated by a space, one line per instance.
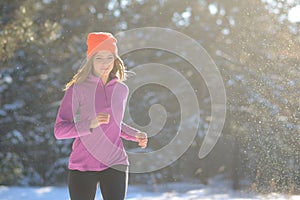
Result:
x=128 y=133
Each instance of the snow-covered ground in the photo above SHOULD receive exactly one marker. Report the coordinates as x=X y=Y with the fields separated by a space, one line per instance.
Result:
x=216 y=189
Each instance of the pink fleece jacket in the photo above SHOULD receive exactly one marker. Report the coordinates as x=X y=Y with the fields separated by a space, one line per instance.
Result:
x=102 y=147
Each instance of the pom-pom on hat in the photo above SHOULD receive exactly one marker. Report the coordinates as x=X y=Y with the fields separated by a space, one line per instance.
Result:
x=97 y=41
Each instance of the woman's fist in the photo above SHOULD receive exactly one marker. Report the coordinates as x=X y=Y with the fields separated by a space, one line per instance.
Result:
x=142 y=139
x=101 y=118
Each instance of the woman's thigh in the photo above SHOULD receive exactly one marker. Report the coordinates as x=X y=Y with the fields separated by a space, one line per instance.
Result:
x=113 y=183
x=82 y=185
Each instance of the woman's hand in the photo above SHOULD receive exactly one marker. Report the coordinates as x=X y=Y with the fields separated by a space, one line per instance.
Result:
x=142 y=139
x=101 y=118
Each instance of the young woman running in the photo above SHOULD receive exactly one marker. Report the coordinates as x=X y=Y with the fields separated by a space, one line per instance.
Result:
x=91 y=112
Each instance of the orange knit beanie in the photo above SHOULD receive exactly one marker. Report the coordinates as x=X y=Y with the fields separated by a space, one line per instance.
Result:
x=97 y=41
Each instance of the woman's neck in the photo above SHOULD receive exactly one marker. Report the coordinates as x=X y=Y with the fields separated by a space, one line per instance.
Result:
x=104 y=78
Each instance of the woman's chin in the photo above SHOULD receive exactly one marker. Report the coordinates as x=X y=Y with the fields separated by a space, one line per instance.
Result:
x=100 y=72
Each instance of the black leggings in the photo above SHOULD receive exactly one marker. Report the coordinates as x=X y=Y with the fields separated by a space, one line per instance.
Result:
x=113 y=184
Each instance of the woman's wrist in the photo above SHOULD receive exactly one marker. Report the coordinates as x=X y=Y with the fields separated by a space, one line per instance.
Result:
x=140 y=135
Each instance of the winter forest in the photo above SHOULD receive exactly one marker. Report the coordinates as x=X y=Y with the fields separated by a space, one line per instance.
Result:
x=255 y=46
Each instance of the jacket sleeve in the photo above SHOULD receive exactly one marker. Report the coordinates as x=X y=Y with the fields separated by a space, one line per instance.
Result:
x=128 y=133
x=65 y=127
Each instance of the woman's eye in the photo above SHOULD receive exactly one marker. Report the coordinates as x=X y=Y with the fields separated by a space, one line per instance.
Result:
x=105 y=58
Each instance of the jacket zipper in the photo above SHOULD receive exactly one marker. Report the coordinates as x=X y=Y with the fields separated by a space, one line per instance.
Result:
x=104 y=89
x=105 y=95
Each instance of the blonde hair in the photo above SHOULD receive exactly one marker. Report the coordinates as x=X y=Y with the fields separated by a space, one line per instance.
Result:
x=86 y=70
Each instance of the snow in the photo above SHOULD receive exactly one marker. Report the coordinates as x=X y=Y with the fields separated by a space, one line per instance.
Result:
x=216 y=189
x=15 y=105
x=294 y=14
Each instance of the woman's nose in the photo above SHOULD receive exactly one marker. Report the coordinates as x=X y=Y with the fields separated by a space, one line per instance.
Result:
x=106 y=61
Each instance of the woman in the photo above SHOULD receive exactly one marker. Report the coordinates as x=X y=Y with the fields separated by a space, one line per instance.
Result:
x=92 y=111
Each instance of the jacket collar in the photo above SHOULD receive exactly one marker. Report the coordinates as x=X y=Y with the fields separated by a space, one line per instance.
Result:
x=96 y=79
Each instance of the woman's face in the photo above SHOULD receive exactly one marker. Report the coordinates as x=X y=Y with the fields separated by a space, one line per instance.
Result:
x=103 y=63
